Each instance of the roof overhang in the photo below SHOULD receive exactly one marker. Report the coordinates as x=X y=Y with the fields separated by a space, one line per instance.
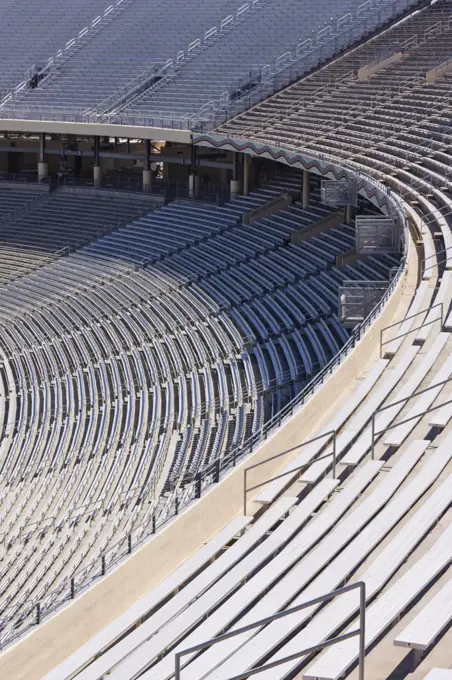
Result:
x=95 y=129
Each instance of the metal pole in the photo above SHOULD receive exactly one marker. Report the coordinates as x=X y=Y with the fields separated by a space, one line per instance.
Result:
x=38 y=613
x=129 y=544
x=362 y=629
x=177 y=667
x=72 y=588
x=334 y=454
x=104 y=565
x=198 y=486
x=372 y=450
x=244 y=491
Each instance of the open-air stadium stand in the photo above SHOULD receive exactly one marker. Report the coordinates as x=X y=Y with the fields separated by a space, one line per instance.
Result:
x=158 y=343
x=133 y=361
x=195 y=63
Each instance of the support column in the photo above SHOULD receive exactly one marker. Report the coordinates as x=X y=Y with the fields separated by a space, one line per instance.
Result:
x=193 y=179
x=147 y=181
x=43 y=171
x=42 y=165
x=236 y=181
x=349 y=214
x=247 y=160
x=193 y=185
x=147 y=174
x=97 y=176
x=235 y=187
x=97 y=172
x=306 y=189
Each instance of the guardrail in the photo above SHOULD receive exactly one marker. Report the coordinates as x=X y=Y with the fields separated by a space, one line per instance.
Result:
x=298 y=468
x=405 y=400
x=321 y=599
x=412 y=330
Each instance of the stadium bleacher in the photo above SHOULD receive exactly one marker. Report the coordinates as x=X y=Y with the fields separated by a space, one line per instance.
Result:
x=143 y=341
x=195 y=64
x=164 y=361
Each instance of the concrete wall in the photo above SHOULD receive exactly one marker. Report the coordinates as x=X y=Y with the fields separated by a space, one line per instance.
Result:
x=56 y=639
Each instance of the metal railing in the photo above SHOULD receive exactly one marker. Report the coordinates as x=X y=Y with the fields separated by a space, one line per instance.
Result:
x=412 y=330
x=435 y=257
x=355 y=632
x=405 y=400
x=298 y=468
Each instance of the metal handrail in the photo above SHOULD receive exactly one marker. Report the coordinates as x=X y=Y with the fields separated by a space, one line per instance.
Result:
x=407 y=420
x=412 y=330
x=358 y=632
x=247 y=489
x=435 y=255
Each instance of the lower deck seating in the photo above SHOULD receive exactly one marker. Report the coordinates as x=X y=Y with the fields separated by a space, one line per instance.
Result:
x=36 y=225
x=139 y=358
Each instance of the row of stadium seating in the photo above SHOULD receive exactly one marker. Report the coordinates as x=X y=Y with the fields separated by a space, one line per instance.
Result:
x=31 y=34
x=36 y=223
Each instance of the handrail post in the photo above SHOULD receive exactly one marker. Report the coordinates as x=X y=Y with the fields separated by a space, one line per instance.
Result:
x=334 y=453
x=362 y=629
x=177 y=658
x=372 y=450
x=198 y=485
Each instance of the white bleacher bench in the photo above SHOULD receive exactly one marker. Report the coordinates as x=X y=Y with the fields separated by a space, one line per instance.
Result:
x=308 y=452
x=111 y=633
x=340 y=568
x=397 y=435
x=444 y=296
x=439 y=674
x=234 y=599
x=441 y=417
x=386 y=417
x=193 y=590
x=421 y=632
x=414 y=319
x=386 y=609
